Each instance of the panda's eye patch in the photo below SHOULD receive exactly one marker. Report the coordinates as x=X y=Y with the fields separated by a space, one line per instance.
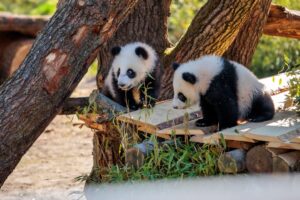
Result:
x=181 y=97
x=130 y=73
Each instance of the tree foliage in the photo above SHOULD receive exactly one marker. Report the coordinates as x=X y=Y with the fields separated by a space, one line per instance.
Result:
x=29 y=7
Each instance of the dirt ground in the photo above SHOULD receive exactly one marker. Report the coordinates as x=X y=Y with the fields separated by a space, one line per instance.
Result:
x=62 y=153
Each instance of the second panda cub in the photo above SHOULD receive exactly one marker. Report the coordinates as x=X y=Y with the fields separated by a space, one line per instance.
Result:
x=227 y=92
x=134 y=77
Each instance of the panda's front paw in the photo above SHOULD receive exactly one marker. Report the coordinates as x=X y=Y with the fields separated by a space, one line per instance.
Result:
x=203 y=122
x=133 y=107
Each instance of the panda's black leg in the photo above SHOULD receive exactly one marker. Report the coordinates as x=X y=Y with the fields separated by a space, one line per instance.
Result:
x=262 y=108
x=148 y=95
x=227 y=112
x=209 y=114
x=130 y=102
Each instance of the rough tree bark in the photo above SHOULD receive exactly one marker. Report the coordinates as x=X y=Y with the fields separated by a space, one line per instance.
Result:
x=244 y=45
x=55 y=65
x=212 y=31
x=146 y=23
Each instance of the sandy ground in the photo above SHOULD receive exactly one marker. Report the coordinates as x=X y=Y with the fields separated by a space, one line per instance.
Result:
x=62 y=153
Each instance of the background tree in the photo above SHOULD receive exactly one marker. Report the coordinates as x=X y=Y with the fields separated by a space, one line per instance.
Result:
x=56 y=63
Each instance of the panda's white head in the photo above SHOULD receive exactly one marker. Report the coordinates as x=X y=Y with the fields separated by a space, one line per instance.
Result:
x=132 y=64
x=193 y=78
x=185 y=87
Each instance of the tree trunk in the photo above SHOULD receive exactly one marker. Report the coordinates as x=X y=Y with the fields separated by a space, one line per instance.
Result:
x=146 y=23
x=212 y=31
x=106 y=145
x=55 y=65
x=244 y=45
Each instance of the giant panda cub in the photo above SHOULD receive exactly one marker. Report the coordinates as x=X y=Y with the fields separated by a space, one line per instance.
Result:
x=134 y=77
x=227 y=92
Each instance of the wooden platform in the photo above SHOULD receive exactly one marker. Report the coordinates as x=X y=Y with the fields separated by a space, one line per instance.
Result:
x=160 y=117
x=283 y=131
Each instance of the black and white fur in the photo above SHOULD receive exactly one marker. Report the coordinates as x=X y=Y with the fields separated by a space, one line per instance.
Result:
x=134 y=77
x=227 y=92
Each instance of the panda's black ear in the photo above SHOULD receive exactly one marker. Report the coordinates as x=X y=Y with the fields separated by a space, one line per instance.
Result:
x=175 y=66
x=115 y=50
x=189 y=77
x=141 y=52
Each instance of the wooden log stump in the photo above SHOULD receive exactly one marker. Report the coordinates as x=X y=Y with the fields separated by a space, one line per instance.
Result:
x=106 y=144
x=232 y=162
x=259 y=159
x=287 y=162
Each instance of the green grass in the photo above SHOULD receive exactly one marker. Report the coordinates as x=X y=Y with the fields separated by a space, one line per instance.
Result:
x=170 y=161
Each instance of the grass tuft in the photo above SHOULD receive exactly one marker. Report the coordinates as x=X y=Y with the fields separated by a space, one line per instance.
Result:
x=168 y=162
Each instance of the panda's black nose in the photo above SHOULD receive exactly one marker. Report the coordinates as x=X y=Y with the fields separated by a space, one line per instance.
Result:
x=121 y=85
x=175 y=107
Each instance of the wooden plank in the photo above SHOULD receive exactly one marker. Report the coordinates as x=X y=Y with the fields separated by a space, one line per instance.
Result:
x=206 y=139
x=284 y=145
x=237 y=133
x=150 y=130
x=189 y=128
x=275 y=129
x=161 y=116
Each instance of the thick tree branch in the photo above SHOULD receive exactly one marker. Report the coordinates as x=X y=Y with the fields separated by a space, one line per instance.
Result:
x=283 y=22
x=26 y=25
x=73 y=105
x=212 y=31
x=60 y=57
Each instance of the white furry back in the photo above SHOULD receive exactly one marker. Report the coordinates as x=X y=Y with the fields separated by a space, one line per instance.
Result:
x=248 y=86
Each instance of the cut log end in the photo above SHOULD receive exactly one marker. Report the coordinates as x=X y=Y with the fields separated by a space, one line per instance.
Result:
x=287 y=162
x=259 y=160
